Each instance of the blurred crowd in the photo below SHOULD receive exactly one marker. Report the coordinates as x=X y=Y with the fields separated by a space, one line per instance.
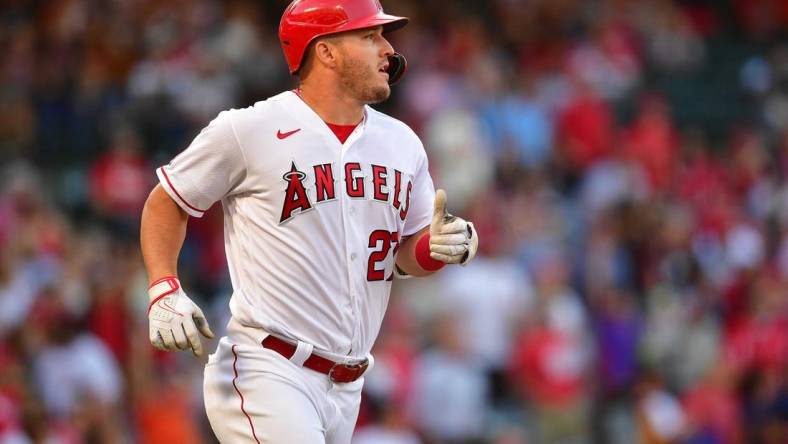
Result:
x=625 y=162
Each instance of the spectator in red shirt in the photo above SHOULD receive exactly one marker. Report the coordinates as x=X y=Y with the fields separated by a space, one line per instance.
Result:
x=585 y=129
x=651 y=141
x=712 y=407
x=120 y=179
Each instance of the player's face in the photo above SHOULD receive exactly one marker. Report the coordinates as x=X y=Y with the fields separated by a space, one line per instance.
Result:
x=363 y=65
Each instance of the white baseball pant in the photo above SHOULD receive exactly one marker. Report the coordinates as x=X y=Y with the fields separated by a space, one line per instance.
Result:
x=255 y=395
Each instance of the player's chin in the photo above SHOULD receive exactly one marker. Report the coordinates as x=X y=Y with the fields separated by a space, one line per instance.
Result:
x=382 y=87
x=379 y=93
x=384 y=91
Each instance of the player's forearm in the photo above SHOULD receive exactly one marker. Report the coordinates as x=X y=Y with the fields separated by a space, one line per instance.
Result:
x=162 y=231
x=406 y=258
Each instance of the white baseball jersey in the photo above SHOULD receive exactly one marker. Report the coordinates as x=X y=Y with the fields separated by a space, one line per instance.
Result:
x=311 y=225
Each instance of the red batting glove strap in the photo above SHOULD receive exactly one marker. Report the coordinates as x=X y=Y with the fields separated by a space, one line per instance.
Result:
x=423 y=255
x=162 y=279
x=173 y=284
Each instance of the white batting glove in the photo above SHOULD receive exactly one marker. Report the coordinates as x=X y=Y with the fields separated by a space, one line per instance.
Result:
x=173 y=319
x=453 y=240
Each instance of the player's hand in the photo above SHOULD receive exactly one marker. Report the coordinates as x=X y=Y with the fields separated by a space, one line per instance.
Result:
x=453 y=240
x=173 y=319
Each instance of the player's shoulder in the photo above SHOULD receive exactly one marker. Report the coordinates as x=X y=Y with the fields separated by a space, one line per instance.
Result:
x=258 y=116
x=392 y=127
x=254 y=111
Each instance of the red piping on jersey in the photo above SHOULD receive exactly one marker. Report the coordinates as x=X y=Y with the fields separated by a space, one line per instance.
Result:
x=235 y=370
x=167 y=178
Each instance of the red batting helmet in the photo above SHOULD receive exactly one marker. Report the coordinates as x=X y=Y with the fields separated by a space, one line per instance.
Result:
x=305 y=20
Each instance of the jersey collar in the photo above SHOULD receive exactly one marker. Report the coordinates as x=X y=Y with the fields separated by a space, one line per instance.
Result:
x=305 y=114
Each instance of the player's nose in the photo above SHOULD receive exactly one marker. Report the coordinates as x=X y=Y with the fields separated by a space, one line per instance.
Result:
x=386 y=48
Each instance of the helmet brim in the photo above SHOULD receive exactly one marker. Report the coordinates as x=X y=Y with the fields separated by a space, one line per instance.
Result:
x=390 y=23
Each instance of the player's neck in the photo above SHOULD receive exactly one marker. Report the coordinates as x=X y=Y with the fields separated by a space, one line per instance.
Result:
x=331 y=105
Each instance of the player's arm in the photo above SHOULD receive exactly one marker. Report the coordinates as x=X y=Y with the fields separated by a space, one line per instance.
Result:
x=162 y=231
x=174 y=319
x=406 y=257
x=447 y=240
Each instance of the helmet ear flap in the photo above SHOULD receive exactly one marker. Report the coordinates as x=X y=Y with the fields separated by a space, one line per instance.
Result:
x=397 y=67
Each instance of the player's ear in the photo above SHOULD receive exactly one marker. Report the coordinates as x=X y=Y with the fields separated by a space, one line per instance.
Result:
x=326 y=52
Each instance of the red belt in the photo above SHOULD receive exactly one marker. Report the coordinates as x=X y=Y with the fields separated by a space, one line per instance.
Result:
x=336 y=371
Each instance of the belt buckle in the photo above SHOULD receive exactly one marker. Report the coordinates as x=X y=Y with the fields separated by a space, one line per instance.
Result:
x=347 y=372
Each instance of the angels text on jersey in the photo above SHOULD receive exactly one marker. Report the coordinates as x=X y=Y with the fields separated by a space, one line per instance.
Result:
x=306 y=189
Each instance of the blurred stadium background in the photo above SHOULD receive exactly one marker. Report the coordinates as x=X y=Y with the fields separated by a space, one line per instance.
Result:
x=626 y=163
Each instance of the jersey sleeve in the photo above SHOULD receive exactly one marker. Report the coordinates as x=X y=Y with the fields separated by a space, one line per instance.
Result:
x=210 y=168
x=422 y=199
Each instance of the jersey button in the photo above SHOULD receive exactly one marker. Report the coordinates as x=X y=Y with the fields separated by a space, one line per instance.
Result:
x=352 y=256
x=352 y=210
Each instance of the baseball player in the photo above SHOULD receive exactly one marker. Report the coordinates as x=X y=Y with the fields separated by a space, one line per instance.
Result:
x=325 y=200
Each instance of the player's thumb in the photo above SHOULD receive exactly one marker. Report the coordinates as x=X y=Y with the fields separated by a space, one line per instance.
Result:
x=440 y=208
x=202 y=324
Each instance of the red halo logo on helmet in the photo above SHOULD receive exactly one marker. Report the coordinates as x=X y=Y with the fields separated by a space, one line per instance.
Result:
x=305 y=20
